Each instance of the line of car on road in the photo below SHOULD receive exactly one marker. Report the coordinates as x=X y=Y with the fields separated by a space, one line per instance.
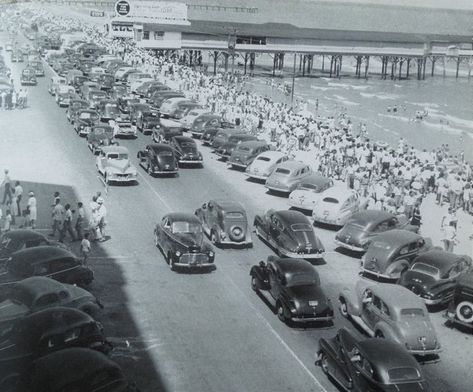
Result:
x=288 y=282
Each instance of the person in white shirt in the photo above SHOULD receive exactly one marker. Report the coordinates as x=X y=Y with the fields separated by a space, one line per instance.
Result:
x=32 y=211
x=18 y=192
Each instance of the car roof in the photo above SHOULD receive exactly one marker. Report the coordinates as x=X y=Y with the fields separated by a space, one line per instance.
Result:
x=375 y=350
x=181 y=139
x=160 y=147
x=398 y=237
x=291 y=216
x=40 y=254
x=292 y=165
x=316 y=179
x=439 y=258
x=182 y=216
x=370 y=217
x=116 y=149
x=23 y=234
x=339 y=192
x=169 y=123
x=226 y=204
x=396 y=296
x=288 y=265
x=38 y=285
x=253 y=143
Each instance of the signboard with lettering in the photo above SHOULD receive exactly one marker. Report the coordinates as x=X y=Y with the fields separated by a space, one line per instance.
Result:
x=97 y=13
x=152 y=11
x=122 y=30
x=122 y=7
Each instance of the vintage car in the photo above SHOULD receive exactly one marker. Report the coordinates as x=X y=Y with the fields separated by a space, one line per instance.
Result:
x=16 y=240
x=225 y=223
x=186 y=150
x=336 y=204
x=391 y=312
x=100 y=136
x=54 y=83
x=166 y=130
x=78 y=83
x=158 y=159
x=210 y=133
x=137 y=108
x=142 y=89
x=147 y=120
x=87 y=87
x=434 y=274
x=75 y=369
x=125 y=128
x=289 y=233
x=84 y=120
x=37 y=293
x=172 y=106
x=365 y=225
x=202 y=121
x=361 y=365
x=44 y=332
x=286 y=176
x=308 y=191
x=152 y=89
x=28 y=77
x=189 y=118
x=45 y=260
x=94 y=96
x=122 y=73
x=137 y=82
x=180 y=238
x=264 y=164
x=185 y=107
x=391 y=253
x=37 y=66
x=460 y=308
x=64 y=95
x=226 y=150
x=221 y=137
x=245 y=152
x=292 y=286
x=114 y=165
x=134 y=76
x=108 y=110
x=159 y=97
x=125 y=103
x=75 y=106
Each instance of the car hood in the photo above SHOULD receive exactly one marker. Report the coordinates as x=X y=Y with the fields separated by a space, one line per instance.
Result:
x=119 y=164
x=11 y=310
x=190 y=240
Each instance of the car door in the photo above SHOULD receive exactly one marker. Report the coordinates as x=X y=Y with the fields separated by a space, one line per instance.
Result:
x=165 y=235
x=275 y=278
x=274 y=229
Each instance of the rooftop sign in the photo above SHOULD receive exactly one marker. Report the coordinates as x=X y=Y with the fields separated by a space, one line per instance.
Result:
x=163 y=12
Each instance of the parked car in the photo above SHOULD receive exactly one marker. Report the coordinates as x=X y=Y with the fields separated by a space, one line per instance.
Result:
x=85 y=120
x=94 y=96
x=361 y=365
x=209 y=134
x=75 y=106
x=308 y=191
x=16 y=240
x=143 y=89
x=137 y=82
x=391 y=312
x=87 y=87
x=45 y=332
x=58 y=372
x=51 y=261
x=125 y=103
x=177 y=107
x=221 y=136
x=108 y=109
x=185 y=107
x=226 y=150
x=147 y=120
x=286 y=176
x=37 y=293
x=54 y=83
x=289 y=233
x=114 y=165
x=460 y=308
x=264 y=164
x=434 y=274
x=245 y=152
x=28 y=77
x=391 y=253
x=64 y=95
x=180 y=238
x=225 y=222
x=37 y=66
x=336 y=205
x=159 y=97
x=200 y=122
x=365 y=225
x=158 y=159
x=152 y=89
x=293 y=288
x=189 y=118
x=100 y=136
x=186 y=151
x=166 y=131
x=136 y=110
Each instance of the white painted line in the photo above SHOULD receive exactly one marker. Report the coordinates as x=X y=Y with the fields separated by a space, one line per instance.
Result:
x=155 y=193
x=281 y=340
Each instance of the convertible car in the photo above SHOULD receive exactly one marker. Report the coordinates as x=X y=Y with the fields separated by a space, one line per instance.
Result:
x=391 y=312
x=158 y=159
x=433 y=275
x=361 y=365
x=186 y=151
x=293 y=287
x=289 y=233
x=225 y=222
x=113 y=164
x=181 y=239
x=307 y=192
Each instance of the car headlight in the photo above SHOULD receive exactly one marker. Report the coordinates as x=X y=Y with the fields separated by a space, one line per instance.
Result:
x=211 y=254
x=178 y=253
x=293 y=305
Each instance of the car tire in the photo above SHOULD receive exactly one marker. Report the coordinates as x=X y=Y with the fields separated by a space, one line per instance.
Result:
x=172 y=267
x=343 y=308
x=379 y=335
x=156 y=241
x=254 y=283
x=281 y=312
x=464 y=312
x=324 y=363
x=214 y=237
x=148 y=169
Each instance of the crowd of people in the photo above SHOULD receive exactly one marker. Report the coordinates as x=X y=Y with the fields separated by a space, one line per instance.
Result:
x=14 y=99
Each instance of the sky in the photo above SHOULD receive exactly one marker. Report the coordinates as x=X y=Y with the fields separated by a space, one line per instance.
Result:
x=449 y=4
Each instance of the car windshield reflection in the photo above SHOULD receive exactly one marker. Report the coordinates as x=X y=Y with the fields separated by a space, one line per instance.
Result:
x=186 y=227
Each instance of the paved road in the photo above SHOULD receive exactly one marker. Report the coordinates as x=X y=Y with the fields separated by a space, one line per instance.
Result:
x=183 y=332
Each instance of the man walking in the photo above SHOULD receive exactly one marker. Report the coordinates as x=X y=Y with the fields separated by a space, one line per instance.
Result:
x=80 y=221
x=58 y=217
x=18 y=197
x=67 y=224
x=7 y=193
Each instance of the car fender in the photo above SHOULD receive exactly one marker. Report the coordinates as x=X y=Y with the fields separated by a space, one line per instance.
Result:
x=388 y=332
x=262 y=276
x=395 y=269
x=352 y=301
x=258 y=221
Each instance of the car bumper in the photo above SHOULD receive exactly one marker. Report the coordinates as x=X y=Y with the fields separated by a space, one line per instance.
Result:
x=159 y=171
x=277 y=189
x=425 y=352
x=308 y=256
x=302 y=319
x=126 y=133
x=122 y=179
x=256 y=176
x=328 y=221
x=237 y=164
x=377 y=274
x=451 y=316
x=306 y=207
x=196 y=265
x=240 y=243
x=348 y=246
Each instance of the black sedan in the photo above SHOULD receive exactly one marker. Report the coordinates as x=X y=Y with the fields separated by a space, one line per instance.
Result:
x=100 y=136
x=85 y=120
x=289 y=233
x=158 y=159
x=293 y=288
x=434 y=274
x=16 y=240
x=186 y=150
x=44 y=332
x=56 y=263
x=108 y=109
x=370 y=364
x=181 y=239
x=147 y=121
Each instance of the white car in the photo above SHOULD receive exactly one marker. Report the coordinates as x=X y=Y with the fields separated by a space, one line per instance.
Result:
x=122 y=71
x=169 y=106
x=106 y=57
x=188 y=120
x=336 y=204
x=113 y=164
x=308 y=191
x=264 y=164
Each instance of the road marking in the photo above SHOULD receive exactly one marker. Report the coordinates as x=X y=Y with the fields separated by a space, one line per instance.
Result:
x=156 y=193
x=281 y=340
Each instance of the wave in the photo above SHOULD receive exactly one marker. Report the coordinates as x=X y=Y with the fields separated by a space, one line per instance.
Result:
x=346 y=101
x=425 y=104
x=381 y=96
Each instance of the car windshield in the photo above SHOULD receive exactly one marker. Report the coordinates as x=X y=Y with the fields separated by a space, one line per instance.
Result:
x=301 y=279
x=412 y=312
x=165 y=154
x=381 y=245
x=330 y=200
x=244 y=148
x=186 y=227
x=86 y=115
x=426 y=269
x=188 y=145
x=308 y=187
x=403 y=374
x=283 y=171
x=21 y=297
x=265 y=159
x=234 y=215
x=117 y=156
x=301 y=227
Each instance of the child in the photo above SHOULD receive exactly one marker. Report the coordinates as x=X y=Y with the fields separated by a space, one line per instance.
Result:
x=85 y=248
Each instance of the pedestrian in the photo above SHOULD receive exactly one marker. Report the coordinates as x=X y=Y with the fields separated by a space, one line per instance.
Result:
x=80 y=221
x=102 y=214
x=85 y=248
x=58 y=216
x=416 y=217
x=8 y=221
x=450 y=237
x=31 y=211
x=67 y=224
x=7 y=193
x=18 y=192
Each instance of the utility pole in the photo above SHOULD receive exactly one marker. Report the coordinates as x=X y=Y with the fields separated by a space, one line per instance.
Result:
x=293 y=79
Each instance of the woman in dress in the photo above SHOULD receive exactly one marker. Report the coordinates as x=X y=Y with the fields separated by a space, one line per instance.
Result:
x=32 y=211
